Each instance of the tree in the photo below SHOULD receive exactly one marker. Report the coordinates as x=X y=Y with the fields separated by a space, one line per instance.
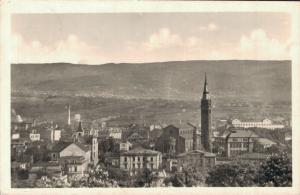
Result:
x=145 y=178
x=276 y=171
x=232 y=174
x=219 y=149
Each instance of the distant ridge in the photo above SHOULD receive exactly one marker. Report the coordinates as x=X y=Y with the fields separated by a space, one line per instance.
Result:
x=258 y=79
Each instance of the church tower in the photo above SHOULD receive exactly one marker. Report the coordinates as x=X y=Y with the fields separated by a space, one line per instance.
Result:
x=206 y=119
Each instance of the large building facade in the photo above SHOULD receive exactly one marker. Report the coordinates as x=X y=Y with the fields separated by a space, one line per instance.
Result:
x=266 y=124
x=139 y=158
x=206 y=131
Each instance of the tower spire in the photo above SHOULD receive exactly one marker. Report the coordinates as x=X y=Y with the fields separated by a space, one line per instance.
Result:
x=205 y=89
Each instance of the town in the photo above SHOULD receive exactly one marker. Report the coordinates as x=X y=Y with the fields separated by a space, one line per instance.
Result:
x=182 y=153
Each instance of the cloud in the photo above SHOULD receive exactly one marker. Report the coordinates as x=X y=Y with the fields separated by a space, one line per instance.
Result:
x=161 y=45
x=258 y=45
x=209 y=27
x=71 y=49
x=162 y=39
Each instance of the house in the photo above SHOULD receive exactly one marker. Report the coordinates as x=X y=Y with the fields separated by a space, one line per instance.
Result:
x=19 y=146
x=139 y=158
x=239 y=141
x=34 y=136
x=125 y=146
x=112 y=159
x=196 y=159
x=73 y=157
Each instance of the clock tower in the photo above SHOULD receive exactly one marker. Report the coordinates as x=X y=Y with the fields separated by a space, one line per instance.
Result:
x=206 y=131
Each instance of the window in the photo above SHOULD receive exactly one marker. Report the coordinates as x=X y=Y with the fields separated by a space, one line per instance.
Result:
x=125 y=165
x=133 y=158
x=139 y=159
x=234 y=139
x=75 y=168
x=235 y=145
x=245 y=139
x=151 y=166
x=125 y=159
x=151 y=158
x=144 y=159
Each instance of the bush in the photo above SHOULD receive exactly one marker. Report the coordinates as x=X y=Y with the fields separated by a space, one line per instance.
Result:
x=276 y=171
x=236 y=174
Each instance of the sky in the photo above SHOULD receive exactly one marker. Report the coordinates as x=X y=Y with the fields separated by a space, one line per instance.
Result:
x=149 y=37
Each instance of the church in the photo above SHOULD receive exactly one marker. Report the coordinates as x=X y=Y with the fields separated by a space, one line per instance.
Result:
x=177 y=140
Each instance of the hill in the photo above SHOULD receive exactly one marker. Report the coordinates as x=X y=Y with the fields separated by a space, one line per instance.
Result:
x=183 y=80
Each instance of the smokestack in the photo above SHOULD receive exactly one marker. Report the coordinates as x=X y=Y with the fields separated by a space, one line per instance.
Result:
x=69 y=114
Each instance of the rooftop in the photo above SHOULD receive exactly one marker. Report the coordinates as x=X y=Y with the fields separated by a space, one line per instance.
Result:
x=242 y=133
x=194 y=152
x=141 y=151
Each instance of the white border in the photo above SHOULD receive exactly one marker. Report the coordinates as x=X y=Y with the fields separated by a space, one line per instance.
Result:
x=92 y=6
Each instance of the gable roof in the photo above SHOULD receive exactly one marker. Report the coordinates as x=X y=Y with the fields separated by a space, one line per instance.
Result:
x=60 y=146
x=83 y=147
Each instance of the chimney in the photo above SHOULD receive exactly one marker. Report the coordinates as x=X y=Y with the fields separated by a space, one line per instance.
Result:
x=69 y=114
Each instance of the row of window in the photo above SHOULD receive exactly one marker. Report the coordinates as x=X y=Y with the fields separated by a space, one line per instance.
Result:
x=236 y=139
x=138 y=159
x=239 y=145
x=138 y=166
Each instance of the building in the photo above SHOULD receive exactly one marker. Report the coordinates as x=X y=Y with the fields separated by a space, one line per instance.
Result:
x=34 y=136
x=170 y=142
x=206 y=131
x=191 y=136
x=239 y=141
x=139 y=158
x=73 y=157
x=265 y=123
x=266 y=143
x=196 y=159
x=125 y=146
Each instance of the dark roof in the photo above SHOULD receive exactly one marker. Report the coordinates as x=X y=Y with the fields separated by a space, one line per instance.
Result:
x=60 y=146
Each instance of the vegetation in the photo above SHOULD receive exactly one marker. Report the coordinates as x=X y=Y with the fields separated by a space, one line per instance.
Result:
x=232 y=174
x=275 y=171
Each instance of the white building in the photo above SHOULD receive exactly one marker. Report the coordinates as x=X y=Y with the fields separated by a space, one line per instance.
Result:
x=137 y=159
x=34 y=136
x=266 y=124
x=55 y=135
x=125 y=146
